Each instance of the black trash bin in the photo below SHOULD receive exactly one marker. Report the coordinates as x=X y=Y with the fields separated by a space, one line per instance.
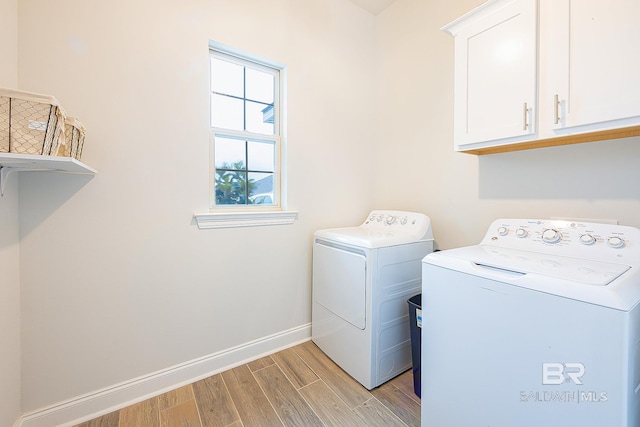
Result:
x=415 y=324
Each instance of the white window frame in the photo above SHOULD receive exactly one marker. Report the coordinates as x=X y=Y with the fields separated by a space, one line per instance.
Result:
x=224 y=216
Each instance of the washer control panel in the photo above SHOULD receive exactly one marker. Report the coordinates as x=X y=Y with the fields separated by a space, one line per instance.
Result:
x=568 y=238
x=398 y=221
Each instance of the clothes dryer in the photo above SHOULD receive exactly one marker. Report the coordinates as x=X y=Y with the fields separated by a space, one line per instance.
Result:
x=362 y=279
x=538 y=325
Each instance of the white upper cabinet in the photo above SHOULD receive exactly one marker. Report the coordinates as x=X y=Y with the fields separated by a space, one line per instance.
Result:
x=532 y=73
x=495 y=72
x=594 y=52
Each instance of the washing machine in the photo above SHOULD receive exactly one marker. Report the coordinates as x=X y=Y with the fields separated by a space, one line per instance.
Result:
x=538 y=325
x=362 y=279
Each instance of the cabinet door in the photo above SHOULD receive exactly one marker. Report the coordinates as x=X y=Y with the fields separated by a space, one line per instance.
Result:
x=495 y=72
x=598 y=63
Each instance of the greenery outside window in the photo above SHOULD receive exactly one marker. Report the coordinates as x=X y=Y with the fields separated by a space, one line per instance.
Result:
x=245 y=132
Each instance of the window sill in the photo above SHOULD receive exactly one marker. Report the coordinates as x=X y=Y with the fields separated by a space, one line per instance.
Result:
x=244 y=219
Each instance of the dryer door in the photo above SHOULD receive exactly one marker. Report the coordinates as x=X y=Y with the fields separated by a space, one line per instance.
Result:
x=339 y=281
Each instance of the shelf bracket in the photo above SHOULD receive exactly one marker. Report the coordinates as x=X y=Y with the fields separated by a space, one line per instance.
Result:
x=4 y=173
x=6 y=170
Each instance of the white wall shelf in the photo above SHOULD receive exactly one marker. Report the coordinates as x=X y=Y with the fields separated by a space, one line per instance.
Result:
x=12 y=162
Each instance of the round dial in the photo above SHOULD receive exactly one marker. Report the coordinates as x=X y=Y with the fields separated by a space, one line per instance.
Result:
x=403 y=221
x=391 y=219
x=587 y=239
x=521 y=233
x=615 y=242
x=551 y=236
x=503 y=231
x=380 y=218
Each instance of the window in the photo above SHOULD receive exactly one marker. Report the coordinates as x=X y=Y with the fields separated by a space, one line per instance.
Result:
x=245 y=132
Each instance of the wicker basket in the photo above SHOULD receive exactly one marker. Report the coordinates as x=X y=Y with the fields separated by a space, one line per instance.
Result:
x=74 y=133
x=30 y=123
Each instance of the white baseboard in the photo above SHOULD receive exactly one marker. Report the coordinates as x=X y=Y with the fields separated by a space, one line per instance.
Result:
x=92 y=405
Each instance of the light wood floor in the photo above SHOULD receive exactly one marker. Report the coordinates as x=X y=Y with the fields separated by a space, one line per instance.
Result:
x=297 y=387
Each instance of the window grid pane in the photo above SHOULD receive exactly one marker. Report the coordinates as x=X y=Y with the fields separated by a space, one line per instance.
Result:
x=258 y=118
x=261 y=156
x=227 y=78
x=227 y=112
x=231 y=187
x=260 y=86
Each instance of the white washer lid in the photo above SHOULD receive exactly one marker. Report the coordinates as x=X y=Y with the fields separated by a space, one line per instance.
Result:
x=588 y=272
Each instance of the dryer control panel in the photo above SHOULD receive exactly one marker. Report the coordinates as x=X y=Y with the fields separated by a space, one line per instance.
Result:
x=588 y=240
x=413 y=223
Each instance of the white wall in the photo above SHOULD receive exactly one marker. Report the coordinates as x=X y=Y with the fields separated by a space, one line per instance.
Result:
x=463 y=193
x=9 y=240
x=9 y=43
x=9 y=305
x=117 y=280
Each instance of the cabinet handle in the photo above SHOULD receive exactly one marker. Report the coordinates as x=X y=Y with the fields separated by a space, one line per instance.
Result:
x=556 y=107
x=525 y=117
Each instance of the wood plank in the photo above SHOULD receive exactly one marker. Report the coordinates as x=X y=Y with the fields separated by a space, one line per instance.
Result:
x=111 y=419
x=214 y=402
x=175 y=397
x=602 y=135
x=332 y=410
x=143 y=414
x=374 y=413
x=405 y=408
x=260 y=363
x=285 y=399
x=404 y=382
x=348 y=389
x=253 y=406
x=294 y=368
x=182 y=415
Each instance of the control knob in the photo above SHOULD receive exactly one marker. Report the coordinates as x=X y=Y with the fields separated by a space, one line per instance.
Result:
x=587 y=239
x=503 y=231
x=521 y=233
x=615 y=242
x=391 y=219
x=551 y=236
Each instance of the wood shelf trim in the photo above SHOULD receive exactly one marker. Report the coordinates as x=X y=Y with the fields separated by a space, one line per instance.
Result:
x=557 y=141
